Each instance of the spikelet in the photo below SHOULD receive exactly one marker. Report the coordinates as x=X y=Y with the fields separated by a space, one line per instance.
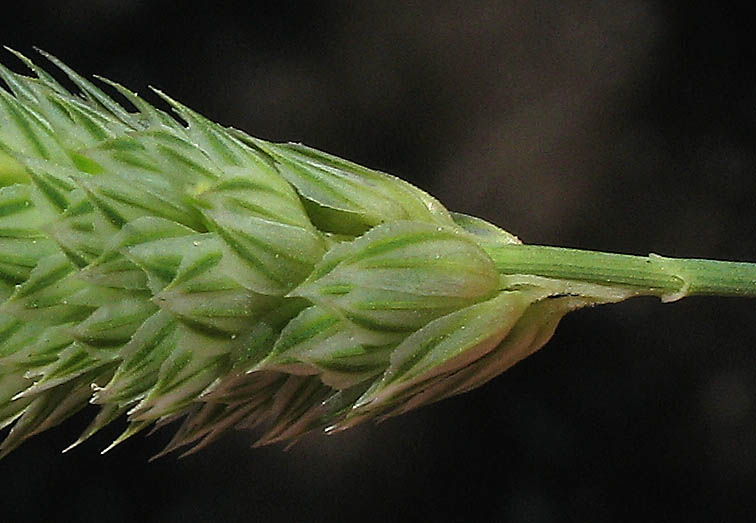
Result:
x=173 y=269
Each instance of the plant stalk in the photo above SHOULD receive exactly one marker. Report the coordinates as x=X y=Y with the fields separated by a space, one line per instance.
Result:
x=668 y=278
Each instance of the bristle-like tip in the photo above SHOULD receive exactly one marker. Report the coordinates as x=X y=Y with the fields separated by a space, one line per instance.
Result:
x=73 y=445
x=17 y=54
x=131 y=430
x=167 y=450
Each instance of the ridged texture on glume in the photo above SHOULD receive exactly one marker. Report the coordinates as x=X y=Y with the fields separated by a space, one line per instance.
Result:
x=169 y=268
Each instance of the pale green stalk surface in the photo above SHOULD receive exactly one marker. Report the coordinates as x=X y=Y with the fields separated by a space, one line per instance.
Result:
x=173 y=269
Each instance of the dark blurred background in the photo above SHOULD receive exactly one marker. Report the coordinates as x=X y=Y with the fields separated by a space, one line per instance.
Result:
x=617 y=125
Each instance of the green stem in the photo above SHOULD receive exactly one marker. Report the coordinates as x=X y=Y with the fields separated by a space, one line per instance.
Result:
x=668 y=278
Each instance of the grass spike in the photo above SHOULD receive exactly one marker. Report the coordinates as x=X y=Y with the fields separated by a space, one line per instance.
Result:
x=173 y=269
